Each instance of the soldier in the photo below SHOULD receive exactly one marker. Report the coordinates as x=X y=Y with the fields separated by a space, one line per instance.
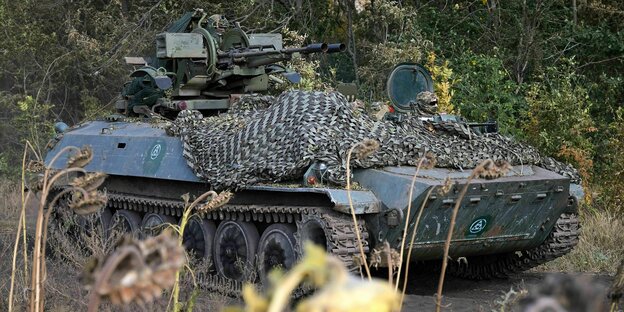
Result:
x=426 y=104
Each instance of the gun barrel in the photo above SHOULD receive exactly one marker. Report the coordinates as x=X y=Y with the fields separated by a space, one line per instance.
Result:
x=311 y=48
x=336 y=47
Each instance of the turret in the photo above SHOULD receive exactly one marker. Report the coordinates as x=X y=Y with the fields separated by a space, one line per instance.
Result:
x=205 y=63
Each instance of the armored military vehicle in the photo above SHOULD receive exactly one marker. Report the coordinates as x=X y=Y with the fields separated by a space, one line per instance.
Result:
x=205 y=64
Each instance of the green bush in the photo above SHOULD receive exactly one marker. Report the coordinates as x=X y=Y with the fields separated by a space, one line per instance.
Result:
x=484 y=91
x=559 y=120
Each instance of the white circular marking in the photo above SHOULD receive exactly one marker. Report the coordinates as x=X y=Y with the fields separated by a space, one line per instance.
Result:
x=478 y=226
x=155 y=151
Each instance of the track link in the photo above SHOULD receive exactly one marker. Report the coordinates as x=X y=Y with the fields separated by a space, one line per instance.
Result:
x=563 y=237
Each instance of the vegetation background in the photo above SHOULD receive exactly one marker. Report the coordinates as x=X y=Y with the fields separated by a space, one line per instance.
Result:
x=549 y=71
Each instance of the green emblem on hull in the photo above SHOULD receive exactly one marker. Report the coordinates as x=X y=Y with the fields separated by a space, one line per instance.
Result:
x=479 y=226
x=153 y=157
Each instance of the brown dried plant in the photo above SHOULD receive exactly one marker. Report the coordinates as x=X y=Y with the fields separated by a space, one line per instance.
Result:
x=89 y=181
x=137 y=271
x=446 y=187
x=35 y=166
x=427 y=161
x=81 y=158
x=84 y=202
x=486 y=169
x=91 y=203
x=215 y=201
x=21 y=226
x=411 y=244
x=494 y=169
x=364 y=149
x=388 y=256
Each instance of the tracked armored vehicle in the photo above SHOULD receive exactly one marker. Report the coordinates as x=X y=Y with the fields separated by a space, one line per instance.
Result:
x=507 y=225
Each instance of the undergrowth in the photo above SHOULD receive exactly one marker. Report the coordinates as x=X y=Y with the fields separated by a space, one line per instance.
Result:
x=66 y=263
x=600 y=248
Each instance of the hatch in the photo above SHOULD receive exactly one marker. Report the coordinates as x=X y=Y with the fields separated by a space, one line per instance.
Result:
x=405 y=82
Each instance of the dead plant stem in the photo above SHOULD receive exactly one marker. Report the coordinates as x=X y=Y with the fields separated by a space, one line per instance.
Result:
x=389 y=261
x=21 y=223
x=409 y=252
x=447 y=243
x=175 y=294
x=355 y=223
x=407 y=217
x=36 y=302
x=107 y=270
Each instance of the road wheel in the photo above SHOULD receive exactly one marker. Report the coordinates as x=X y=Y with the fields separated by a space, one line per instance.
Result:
x=235 y=245
x=126 y=221
x=277 y=249
x=105 y=222
x=154 y=223
x=198 y=237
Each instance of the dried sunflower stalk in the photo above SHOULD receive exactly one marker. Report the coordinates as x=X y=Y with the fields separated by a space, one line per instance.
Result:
x=216 y=201
x=89 y=181
x=81 y=158
x=91 y=203
x=137 y=271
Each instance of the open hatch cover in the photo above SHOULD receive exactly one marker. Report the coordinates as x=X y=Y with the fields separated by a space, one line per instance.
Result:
x=405 y=82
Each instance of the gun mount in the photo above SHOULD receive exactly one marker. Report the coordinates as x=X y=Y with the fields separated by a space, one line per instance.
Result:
x=205 y=63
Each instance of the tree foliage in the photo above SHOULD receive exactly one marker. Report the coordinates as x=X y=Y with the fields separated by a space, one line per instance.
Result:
x=549 y=71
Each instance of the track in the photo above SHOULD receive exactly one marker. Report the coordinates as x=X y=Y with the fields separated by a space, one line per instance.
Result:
x=340 y=237
x=561 y=240
x=338 y=228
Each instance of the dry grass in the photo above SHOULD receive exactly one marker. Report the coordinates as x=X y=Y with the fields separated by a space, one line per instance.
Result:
x=9 y=207
x=600 y=249
x=65 y=264
x=10 y=204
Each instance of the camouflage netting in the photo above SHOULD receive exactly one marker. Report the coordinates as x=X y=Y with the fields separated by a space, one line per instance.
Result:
x=266 y=139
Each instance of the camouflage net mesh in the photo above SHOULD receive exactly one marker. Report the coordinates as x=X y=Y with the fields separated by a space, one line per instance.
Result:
x=266 y=139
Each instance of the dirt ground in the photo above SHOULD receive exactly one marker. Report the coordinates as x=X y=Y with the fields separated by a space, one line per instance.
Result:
x=465 y=295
